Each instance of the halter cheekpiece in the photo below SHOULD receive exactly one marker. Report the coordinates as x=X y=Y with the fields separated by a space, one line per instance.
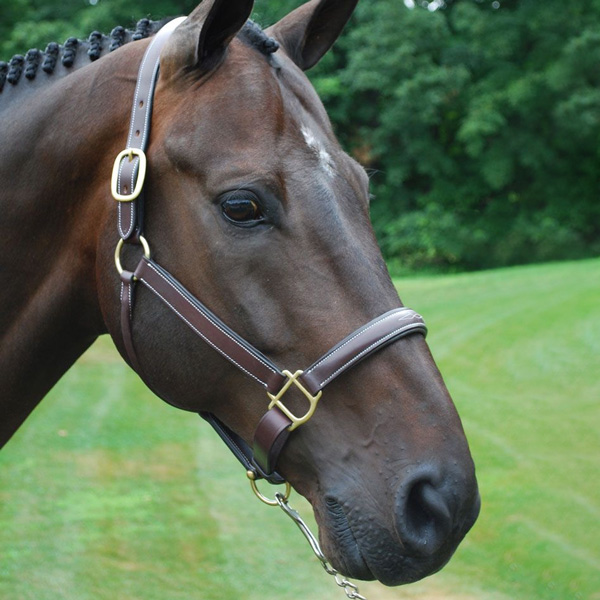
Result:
x=273 y=430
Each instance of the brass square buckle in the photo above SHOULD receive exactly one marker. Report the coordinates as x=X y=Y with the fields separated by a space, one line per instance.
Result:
x=129 y=153
x=276 y=400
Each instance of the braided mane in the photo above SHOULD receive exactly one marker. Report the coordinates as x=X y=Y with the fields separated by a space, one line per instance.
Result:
x=98 y=44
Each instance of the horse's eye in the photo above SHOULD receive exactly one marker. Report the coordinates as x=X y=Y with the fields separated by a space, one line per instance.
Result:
x=244 y=211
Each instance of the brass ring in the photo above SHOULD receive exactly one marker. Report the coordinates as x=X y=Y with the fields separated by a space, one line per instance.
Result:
x=119 y=247
x=262 y=497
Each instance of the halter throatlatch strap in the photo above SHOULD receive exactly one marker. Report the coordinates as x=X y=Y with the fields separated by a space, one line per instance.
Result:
x=279 y=421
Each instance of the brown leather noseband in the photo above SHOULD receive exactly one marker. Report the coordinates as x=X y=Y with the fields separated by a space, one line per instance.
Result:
x=278 y=422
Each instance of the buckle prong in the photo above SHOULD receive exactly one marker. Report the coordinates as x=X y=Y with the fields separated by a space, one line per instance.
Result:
x=276 y=399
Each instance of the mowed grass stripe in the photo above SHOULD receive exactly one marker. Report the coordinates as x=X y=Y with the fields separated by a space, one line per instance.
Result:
x=526 y=382
x=102 y=507
x=107 y=493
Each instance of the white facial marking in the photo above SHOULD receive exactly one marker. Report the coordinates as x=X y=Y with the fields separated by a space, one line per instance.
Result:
x=317 y=147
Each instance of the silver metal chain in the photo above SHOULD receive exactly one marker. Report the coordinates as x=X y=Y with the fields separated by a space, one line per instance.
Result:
x=349 y=588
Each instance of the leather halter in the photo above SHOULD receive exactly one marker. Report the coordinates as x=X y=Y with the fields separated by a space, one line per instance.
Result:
x=278 y=422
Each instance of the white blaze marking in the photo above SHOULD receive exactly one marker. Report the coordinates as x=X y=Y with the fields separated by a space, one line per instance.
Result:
x=317 y=147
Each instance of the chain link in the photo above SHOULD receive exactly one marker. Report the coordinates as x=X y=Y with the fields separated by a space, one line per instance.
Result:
x=350 y=589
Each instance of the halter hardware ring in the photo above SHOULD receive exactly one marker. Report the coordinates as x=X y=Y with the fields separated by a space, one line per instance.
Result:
x=129 y=153
x=119 y=247
x=288 y=490
x=276 y=400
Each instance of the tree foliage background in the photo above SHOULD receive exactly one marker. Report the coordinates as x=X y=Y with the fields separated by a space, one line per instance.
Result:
x=479 y=121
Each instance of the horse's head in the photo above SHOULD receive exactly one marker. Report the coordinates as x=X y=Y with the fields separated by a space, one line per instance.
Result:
x=254 y=206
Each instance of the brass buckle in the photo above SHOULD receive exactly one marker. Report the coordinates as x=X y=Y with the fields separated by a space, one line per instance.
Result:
x=139 y=182
x=276 y=400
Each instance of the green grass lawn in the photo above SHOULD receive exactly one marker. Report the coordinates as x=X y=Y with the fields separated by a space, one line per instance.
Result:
x=107 y=493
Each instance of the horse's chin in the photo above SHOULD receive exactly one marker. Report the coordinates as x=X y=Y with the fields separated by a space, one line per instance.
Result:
x=349 y=560
x=340 y=545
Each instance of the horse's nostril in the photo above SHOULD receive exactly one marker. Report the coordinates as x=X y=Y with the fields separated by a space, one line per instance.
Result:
x=424 y=517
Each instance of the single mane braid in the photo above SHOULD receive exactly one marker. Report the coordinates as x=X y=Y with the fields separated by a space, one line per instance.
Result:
x=98 y=44
x=256 y=37
x=117 y=38
x=50 y=57
x=95 y=42
x=3 y=74
x=15 y=68
x=32 y=62
x=142 y=29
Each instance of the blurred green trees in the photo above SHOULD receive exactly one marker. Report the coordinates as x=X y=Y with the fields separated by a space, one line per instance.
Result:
x=479 y=122
x=482 y=126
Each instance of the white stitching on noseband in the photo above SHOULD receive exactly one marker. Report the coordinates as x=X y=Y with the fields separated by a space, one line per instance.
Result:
x=368 y=349
x=380 y=320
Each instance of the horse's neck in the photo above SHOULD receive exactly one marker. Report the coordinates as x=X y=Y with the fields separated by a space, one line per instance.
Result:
x=54 y=177
x=56 y=62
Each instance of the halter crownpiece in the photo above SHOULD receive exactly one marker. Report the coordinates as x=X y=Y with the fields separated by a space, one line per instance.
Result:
x=275 y=427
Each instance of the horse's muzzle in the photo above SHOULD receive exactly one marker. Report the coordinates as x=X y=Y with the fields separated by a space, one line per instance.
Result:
x=431 y=515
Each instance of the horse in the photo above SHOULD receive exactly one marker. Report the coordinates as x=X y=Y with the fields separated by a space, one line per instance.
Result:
x=249 y=198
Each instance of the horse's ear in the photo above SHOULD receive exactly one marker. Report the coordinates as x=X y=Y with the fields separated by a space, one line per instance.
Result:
x=200 y=41
x=309 y=31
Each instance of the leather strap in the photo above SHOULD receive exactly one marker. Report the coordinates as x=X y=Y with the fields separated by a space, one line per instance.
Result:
x=380 y=332
x=127 y=299
x=270 y=437
x=241 y=450
x=208 y=326
x=139 y=131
